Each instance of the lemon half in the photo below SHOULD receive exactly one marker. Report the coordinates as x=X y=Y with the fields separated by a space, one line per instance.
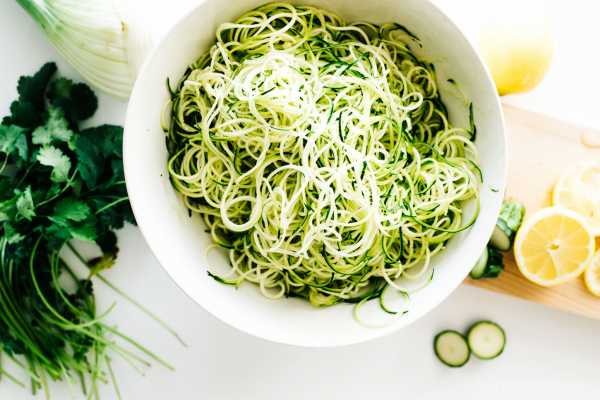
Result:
x=554 y=246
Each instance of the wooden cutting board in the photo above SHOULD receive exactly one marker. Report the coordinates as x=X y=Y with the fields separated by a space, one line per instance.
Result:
x=539 y=149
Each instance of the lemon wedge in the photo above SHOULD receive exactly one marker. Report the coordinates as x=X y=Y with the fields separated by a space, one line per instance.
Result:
x=578 y=189
x=592 y=275
x=553 y=246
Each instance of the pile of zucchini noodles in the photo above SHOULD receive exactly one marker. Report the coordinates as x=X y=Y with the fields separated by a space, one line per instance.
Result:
x=319 y=153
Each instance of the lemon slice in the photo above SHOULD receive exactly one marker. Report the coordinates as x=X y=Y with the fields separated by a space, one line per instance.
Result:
x=553 y=246
x=592 y=275
x=578 y=189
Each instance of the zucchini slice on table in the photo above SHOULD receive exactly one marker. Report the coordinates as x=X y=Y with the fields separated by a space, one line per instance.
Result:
x=451 y=348
x=486 y=339
x=509 y=221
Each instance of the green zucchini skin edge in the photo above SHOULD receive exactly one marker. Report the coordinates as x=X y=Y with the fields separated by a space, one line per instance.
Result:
x=479 y=268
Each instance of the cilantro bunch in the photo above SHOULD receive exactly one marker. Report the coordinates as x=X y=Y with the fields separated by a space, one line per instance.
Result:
x=57 y=183
x=61 y=182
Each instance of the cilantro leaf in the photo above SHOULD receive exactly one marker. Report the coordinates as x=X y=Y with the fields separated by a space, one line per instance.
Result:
x=32 y=88
x=64 y=229
x=84 y=231
x=13 y=139
x=8 y=209
x=71 y=209
x=94 y=148
x=11 y=234
x=110 y=137
x=76 y=99
x=55 y=158
x=113 y=214
x=25 y=205
x=55 y=129
x=107 y=241
x=89 y=160
x=26 y=111
x=23 y=114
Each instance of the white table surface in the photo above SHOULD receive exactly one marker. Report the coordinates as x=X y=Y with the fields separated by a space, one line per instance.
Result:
x=549 y=354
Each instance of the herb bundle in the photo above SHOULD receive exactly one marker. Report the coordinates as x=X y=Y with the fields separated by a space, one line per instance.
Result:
x=58 y=183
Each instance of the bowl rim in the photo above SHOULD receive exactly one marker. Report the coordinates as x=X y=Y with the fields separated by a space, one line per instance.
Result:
x=373 y=333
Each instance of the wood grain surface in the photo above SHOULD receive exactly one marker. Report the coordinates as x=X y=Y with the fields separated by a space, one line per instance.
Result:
x=539 y=149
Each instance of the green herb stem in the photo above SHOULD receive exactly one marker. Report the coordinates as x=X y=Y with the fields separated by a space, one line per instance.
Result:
x=127 y=297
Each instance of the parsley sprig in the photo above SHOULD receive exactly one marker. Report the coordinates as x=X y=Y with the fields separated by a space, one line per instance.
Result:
x=59 y=183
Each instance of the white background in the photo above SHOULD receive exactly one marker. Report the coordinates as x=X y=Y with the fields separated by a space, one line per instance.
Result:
x=549 y=354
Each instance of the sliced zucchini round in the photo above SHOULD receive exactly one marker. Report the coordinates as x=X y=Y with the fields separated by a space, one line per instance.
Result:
x=509 y=221
x=486 y=339
x=479 y=268
x=393 y=301
x=502 y=236
x=451 y=348
x=412 y=285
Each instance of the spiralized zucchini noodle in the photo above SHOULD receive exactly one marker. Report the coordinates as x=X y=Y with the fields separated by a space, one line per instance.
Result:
x=320 y=154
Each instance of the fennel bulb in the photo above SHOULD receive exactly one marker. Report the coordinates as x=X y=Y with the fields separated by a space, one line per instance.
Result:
x=95 y=38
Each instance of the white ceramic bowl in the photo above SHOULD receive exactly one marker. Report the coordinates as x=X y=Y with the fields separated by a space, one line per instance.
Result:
x=179 y=242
